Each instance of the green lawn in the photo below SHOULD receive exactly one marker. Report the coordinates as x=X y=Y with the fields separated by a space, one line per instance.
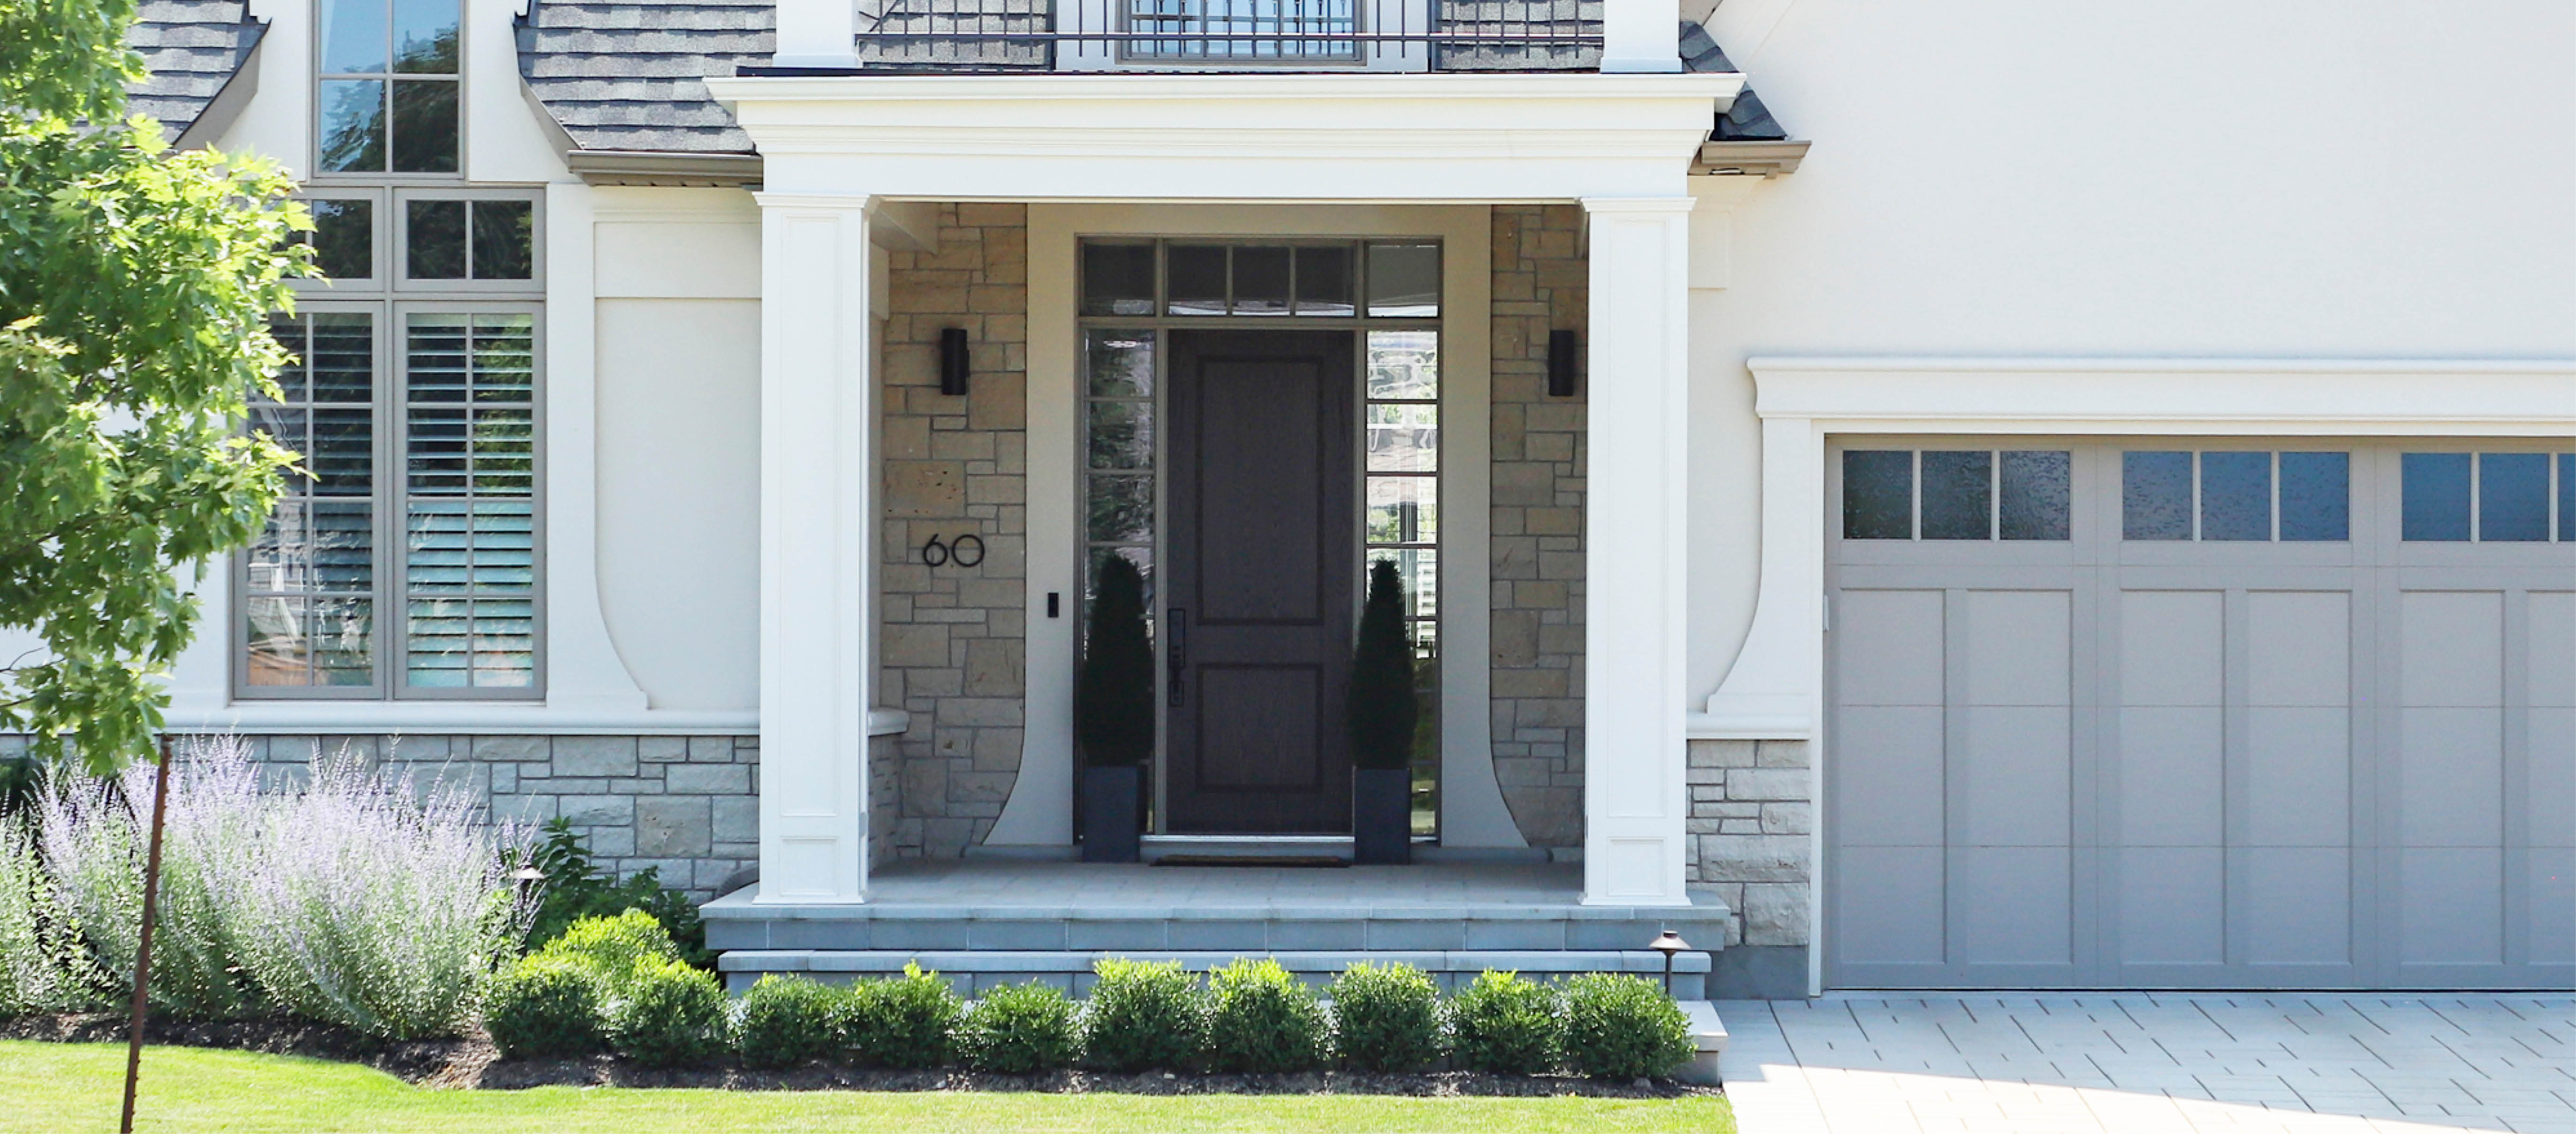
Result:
x=69 y=1088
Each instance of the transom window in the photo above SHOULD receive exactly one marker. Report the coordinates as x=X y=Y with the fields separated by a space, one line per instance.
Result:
x=1134 y=291
x=388 y=88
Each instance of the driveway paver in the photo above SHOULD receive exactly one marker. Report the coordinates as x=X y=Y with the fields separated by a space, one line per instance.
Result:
x=2136 y=1063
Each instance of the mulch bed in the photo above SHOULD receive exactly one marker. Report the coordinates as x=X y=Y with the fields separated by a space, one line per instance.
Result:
x=472 y=1064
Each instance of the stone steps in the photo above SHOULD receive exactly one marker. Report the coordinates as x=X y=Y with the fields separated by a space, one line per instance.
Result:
x=1243 y=929
x=973 y=971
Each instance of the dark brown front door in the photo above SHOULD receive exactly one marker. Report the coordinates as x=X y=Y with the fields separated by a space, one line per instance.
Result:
x=1258 y=593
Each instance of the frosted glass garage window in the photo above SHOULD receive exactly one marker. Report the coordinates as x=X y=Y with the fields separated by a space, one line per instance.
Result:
x=1957 y=494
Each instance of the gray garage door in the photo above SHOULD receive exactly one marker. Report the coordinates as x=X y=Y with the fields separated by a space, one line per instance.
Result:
x=2201 y=713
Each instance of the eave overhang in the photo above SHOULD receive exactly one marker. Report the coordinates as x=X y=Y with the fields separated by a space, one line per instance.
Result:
x=1454 y=137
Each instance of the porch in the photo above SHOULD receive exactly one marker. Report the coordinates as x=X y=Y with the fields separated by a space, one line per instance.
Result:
x=985 y=922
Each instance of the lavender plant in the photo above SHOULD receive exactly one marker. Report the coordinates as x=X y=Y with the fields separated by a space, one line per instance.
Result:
x=43 y=964
x=372 y=910
x=92 y=834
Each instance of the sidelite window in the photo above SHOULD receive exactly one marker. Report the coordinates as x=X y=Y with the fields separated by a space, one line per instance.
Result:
x=388 y=92
x=404 y=560
x=1136 y=292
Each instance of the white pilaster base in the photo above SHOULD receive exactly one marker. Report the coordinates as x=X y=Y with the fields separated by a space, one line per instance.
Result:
x=816 y=540
x=1636 y=799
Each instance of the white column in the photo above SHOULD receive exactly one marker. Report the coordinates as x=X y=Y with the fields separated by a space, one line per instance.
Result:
x=817 y=33
x=1635 y=797
x=1636 y=35
x=816 y=535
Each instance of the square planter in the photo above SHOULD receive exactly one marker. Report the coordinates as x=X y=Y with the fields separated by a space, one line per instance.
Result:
x=1381 y=816
x=1112 y=799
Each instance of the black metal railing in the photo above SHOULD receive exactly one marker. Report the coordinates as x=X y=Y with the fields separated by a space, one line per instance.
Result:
x=1086 y=35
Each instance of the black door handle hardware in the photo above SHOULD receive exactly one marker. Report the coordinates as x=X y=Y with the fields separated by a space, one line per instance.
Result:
x=1176 y=653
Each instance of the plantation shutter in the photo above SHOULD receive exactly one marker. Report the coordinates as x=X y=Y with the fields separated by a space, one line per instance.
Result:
x=469 y=506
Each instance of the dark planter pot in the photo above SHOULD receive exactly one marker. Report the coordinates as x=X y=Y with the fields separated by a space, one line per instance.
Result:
x=1381 y=816
x=1112 y=798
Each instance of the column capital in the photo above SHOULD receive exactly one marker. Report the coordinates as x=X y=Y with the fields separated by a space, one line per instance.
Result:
x=863 y=202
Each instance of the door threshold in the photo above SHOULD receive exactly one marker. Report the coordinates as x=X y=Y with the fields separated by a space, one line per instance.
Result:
x=1199 y=848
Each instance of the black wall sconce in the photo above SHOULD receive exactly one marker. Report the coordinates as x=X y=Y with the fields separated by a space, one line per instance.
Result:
x=952 y=361
x=1561 y=351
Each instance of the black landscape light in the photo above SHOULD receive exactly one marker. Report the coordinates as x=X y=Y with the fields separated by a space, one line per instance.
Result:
x=1668 y=943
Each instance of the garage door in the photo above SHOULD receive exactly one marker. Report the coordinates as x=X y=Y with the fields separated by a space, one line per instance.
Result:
x=2201 y=713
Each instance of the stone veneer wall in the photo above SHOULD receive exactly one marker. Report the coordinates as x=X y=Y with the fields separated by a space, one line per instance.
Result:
x=1752 y=812
x=1540 y=283
x=687 y=805
x=950 y=646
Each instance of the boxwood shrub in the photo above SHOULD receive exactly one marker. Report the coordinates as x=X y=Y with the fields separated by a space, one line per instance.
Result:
x=1261 y=1018
x=904 y=1022
x=1386 y=1017
x=613 y=948
x=1624 y=1027
x=543 y=1008
x=1019 y=1029
x=1143 y=1014
x=668 y=1015
x=786 y=1020
x=1504 y=1024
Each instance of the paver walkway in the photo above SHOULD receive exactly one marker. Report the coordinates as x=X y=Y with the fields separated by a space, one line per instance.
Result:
x=2078 y=1063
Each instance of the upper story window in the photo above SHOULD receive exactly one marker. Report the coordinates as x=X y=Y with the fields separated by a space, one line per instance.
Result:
x=388 y=94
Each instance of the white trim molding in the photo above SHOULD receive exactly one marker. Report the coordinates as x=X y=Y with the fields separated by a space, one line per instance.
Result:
x=1281 y=137
x=1775 y=688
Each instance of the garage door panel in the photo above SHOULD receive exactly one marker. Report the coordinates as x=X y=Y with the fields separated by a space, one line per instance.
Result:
x=2551 y=616
x=2172 y=647
x=2298 y=903
x=2172 y=764
x=2452 y=651
x=2552 y=797
x=2013 y=778
x=2450 y=777
x=2298 y=783
x=2298 y=648
x=2552 y=887
x=2450 y=906
x=2017 y=648
x=1889 y=648
x=2015 y=904
x=1888 y=778
x=2173 y=905
x=1888 y=907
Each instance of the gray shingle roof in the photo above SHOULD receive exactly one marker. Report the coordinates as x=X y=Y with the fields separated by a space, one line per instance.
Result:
x=190 y=49
x=629 y=75
x=1748 y=120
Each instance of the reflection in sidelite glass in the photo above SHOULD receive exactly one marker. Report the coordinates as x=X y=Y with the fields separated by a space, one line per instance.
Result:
x=2316 y=497
x=2235 y=496
x=2155 y=496
x=1404 y=365
x=2513 y=497
x=308 y=610
x=1195 y=277
x=1878 y=494
x=2036 y=496
x=1324 y=280
x=1403 y=438
x=1261 y=280
x=1122 y=435
x=1118 y=442
x=2435 y=497
x=469 y=586
x=1957 y=489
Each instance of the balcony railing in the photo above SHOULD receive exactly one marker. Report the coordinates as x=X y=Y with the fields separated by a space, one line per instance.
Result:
x=1101 y=35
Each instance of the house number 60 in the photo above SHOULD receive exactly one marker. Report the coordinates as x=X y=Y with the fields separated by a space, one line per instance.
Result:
x=965 y=551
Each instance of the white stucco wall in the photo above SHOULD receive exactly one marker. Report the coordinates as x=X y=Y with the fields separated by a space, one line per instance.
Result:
x=2384 y=179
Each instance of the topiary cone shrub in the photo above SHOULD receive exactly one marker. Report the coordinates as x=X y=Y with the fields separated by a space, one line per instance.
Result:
x=1383 y=709
x=1113 y=695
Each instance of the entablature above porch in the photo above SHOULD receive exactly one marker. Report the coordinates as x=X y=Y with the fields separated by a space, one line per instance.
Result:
x=1457 y=138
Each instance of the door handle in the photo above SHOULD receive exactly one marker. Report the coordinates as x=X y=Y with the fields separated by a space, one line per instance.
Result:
x=1176 y=653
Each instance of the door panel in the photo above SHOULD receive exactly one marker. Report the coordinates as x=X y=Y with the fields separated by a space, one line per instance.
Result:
x=1263 y=552
x=2335 y=764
